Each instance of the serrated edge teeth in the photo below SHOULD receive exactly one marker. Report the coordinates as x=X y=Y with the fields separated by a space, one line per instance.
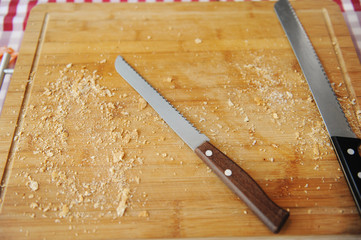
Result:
x=159 y=94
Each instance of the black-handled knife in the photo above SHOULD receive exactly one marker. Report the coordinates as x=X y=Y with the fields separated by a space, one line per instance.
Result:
x=228 y=171
x=344 y=140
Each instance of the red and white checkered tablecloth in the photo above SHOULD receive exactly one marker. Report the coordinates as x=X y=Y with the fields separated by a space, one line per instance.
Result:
x=14 y=15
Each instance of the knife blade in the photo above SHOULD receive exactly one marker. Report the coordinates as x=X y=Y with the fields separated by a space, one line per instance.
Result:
x=344 y=140
x=228 y=171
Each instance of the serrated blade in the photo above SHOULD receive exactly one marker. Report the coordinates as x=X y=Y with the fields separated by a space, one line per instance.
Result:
x=325 y=98
x=185 y=130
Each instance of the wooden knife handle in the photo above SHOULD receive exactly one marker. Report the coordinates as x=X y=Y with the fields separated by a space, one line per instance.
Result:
x=243 y=186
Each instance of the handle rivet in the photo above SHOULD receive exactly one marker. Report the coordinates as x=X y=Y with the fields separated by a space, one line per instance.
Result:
x=209 y=153
x=350 y=151
x=228 y=172
x=359 y=175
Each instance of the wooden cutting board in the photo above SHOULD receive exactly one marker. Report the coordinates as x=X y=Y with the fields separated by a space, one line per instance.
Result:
x=83 y=156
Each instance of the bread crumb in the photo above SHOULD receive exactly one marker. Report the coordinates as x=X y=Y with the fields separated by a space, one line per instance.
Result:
x=230 y=103
x=64 y=211
x=316 y=150
x=137 y=179
x=143 y=214
x=123 y=202
x=259 y=101
x=118 y=156
x=169 y=79
x=34 y=205
x=289 y=95
x=47 y=92
x=33 y=185
x=198 y=40
x=142 y=104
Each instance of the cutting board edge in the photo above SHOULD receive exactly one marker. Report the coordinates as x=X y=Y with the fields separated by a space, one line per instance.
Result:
x=13 y=111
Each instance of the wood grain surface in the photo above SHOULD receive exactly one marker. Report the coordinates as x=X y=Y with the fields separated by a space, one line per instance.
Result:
x=83 y=156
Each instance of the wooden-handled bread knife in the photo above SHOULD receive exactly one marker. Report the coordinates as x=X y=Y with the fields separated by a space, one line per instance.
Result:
x=229 y=172
x=344 y=140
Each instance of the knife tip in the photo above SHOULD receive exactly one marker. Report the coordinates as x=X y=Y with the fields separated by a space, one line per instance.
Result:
x=119 y=58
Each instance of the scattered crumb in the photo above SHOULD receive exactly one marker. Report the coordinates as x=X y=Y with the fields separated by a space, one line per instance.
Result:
x=75 y=106
x=33 y=185
x=123 y=202
x=143 y=214
x=142 y=103
x=118 y=156
x=64 y=211
x=198 y=40
x=34 y=205
x=169 y=79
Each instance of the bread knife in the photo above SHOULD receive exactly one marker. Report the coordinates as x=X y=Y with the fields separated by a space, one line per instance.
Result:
x=344 y=140
x=228 y=171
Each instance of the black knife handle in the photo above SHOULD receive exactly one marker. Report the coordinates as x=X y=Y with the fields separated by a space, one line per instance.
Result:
x=347 y=150
x=243 y=186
